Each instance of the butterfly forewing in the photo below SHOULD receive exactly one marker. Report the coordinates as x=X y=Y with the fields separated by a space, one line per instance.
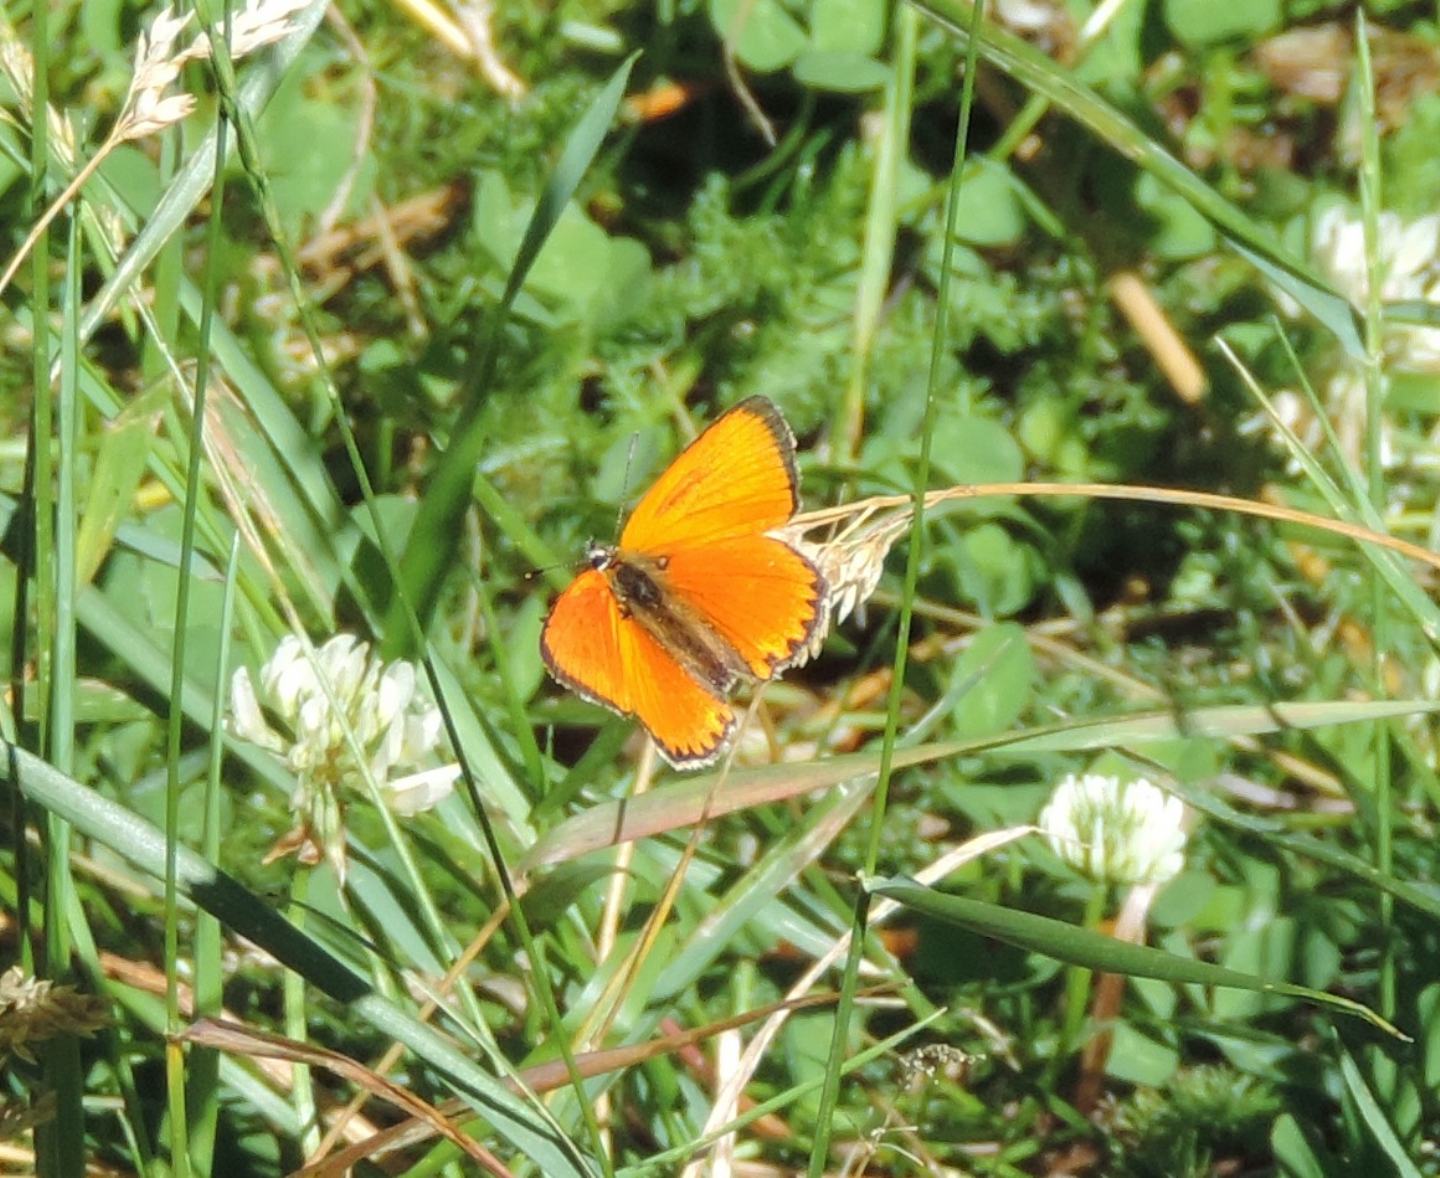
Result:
x=736 y=478
x=581 y=642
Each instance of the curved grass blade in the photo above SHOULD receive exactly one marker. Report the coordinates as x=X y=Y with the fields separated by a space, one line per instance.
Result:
x=1254 y=242
x=1306 y=846
x=430 y=548
x=1375 y=1119
x=248 y=1042
x=1092 y=950
x=242 y=912
x=681 y=803
x=1351 y=504
x=549 y=1076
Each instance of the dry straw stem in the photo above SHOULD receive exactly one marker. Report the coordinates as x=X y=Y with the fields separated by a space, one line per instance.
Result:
x=743 y=95
x=881 y=911
x=852 y=558
x=240 y=1039
x=475 y=18
x=468 y=34
x=149 y=107
x=854 y=555
x=275 y=1074
x=546 y=1077
x=344 y=1119
x=1109 y=990
x=364 y=124
x=1137 y=303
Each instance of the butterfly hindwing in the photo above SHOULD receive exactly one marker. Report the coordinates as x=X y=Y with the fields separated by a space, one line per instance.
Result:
x=756 y=592
x=689 y=724
x=597 y=651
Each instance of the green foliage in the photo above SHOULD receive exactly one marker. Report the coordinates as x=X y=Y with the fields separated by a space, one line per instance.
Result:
x=674 y=263
x=833 y=45
x=1201 y=1114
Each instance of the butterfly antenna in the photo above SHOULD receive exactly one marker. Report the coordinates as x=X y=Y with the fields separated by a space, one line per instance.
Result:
x=569 y=565
x=625 y=487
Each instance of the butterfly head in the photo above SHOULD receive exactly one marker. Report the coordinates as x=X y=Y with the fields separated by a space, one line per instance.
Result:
x=633 y=577
x=599 y=556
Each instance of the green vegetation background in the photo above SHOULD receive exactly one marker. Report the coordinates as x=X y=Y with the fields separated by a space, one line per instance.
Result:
x=376 y=208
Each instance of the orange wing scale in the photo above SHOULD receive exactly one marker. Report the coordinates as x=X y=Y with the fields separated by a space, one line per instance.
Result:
x=758 y=593
x=581 y=643
x=610 y=660
x=737 y=478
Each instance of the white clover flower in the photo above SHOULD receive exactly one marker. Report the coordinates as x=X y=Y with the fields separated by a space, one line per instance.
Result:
x=1409 y=263
x=398 y=731
x=1116 y=832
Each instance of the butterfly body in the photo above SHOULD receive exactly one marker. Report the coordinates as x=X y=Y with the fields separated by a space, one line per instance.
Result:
x=697 y=596
x=638 y=582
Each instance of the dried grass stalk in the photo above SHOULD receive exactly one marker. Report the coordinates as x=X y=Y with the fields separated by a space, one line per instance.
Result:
x=851 y=560
x=149 y=105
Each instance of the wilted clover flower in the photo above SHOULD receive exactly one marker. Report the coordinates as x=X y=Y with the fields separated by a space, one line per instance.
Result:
x=1116 y=832
x=1409 y=264
x=33 y=1010
x=20 y=1116
x=397 y=729
x=1407 y=261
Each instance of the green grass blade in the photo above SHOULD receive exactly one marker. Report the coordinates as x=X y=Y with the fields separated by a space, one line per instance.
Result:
x=1381 y=1130
x=1371 y=202
x=1357 y=508
x=1094 y=950
x=66 y=1145
x=679 y=803
x=202 y=1083
x=174 y=1051
x=430 y=550
x=119 y=466
x=1307 y=846
x=881 y=225
x=240 y=911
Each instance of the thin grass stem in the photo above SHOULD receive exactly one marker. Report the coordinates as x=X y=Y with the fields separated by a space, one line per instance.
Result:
x=1371 y=204
x=223 y=71
x=59 y=1144
x=830 y=1092
x=202 y=1086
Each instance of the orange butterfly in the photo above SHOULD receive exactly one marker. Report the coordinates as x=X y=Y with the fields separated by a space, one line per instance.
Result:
x=697 y=596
